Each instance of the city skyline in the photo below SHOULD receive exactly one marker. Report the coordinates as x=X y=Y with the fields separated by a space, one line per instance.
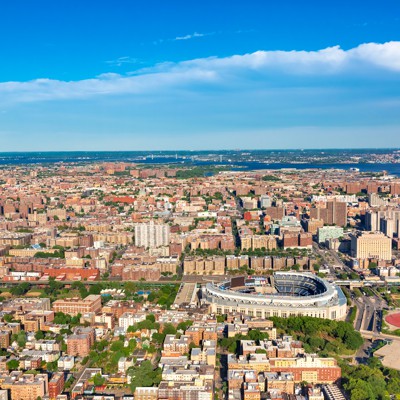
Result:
x=163 y=77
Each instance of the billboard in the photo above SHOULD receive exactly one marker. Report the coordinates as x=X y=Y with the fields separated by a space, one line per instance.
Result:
x=237 y=281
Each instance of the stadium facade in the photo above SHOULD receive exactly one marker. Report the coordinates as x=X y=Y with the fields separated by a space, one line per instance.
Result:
x=284 y=294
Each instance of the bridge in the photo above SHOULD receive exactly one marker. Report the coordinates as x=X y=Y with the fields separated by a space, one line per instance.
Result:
x=350 y=283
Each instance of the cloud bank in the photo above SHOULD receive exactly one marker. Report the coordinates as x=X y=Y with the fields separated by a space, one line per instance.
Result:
x=370 y=58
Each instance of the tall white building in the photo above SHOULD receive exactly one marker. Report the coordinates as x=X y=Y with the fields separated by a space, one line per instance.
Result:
x=375 y=200
x=128 y=319
x=374 y=221
x=371 y=245
x=387 y=226
x=151 y=235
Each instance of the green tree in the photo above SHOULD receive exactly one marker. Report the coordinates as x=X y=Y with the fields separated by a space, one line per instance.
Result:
x=151 y=318
x=221 y=318
x=257 y=335
x=96 y=288
x=169 y=329
x=98 y=380
x=52 y=366
x=183 y=326
x=12 y=365
x=20 y=289
x=144 y=375
x=117 y=346
x=39 y=335
x=8 y=318
x=158 y=337
x=20 y=338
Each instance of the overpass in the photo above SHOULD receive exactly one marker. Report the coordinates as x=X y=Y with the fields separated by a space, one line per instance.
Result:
x=375 y=336
x=356 y=283
x=350 y=283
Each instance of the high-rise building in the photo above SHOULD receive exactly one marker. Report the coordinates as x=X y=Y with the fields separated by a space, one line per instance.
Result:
x=387 y=226
x=371 y=245
x=152 y=235
x=375 y=200
x=335 y=213
x=374 y=221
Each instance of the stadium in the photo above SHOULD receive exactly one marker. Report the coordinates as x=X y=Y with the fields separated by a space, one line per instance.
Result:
x=284 y=294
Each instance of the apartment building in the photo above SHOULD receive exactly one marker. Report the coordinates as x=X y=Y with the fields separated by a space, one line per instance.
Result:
x=204 y=266
x=75 y=306
x=152 y=235
x=374 y=245
x=80 y=342
x=334 y=213
x=174 y=347
x=29 y=387
x=56 y=385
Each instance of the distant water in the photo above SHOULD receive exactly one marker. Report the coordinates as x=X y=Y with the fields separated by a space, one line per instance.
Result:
x=180 y=159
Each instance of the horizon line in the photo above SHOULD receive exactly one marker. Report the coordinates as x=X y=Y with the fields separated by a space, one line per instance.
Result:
x=198 y=150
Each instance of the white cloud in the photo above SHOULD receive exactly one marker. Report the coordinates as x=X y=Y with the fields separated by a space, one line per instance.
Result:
x=192 y=36
x=371 y=58
x=123 y=60
x=386 y=55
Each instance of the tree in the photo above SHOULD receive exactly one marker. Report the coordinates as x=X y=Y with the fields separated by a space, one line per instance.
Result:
x=39 y=335
x=12 y=365
x=151 y=318
x=117 y=346
x=52 y=366
x=353 y=340
x=221 y=318
x=130 y=288
x=96 y=288
x=8 y=318
x=372 y=265
x=20 y=289
x=146 y=324
x=257 y=335
x=144 y=375
x=20 y=338
x=169 y=329
x=316 y=343
x=183 y=326
x=75 y=320
x=98 y=380
x=100 y=346
x=158 y=337
x=132 y=329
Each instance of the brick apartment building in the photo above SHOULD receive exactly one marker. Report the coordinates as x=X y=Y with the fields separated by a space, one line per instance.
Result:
x=335 y=213
x=56 y=385
x=80 y=342
x=75 y=306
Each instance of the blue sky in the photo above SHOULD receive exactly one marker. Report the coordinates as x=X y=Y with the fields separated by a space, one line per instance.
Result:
x=133 y=75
